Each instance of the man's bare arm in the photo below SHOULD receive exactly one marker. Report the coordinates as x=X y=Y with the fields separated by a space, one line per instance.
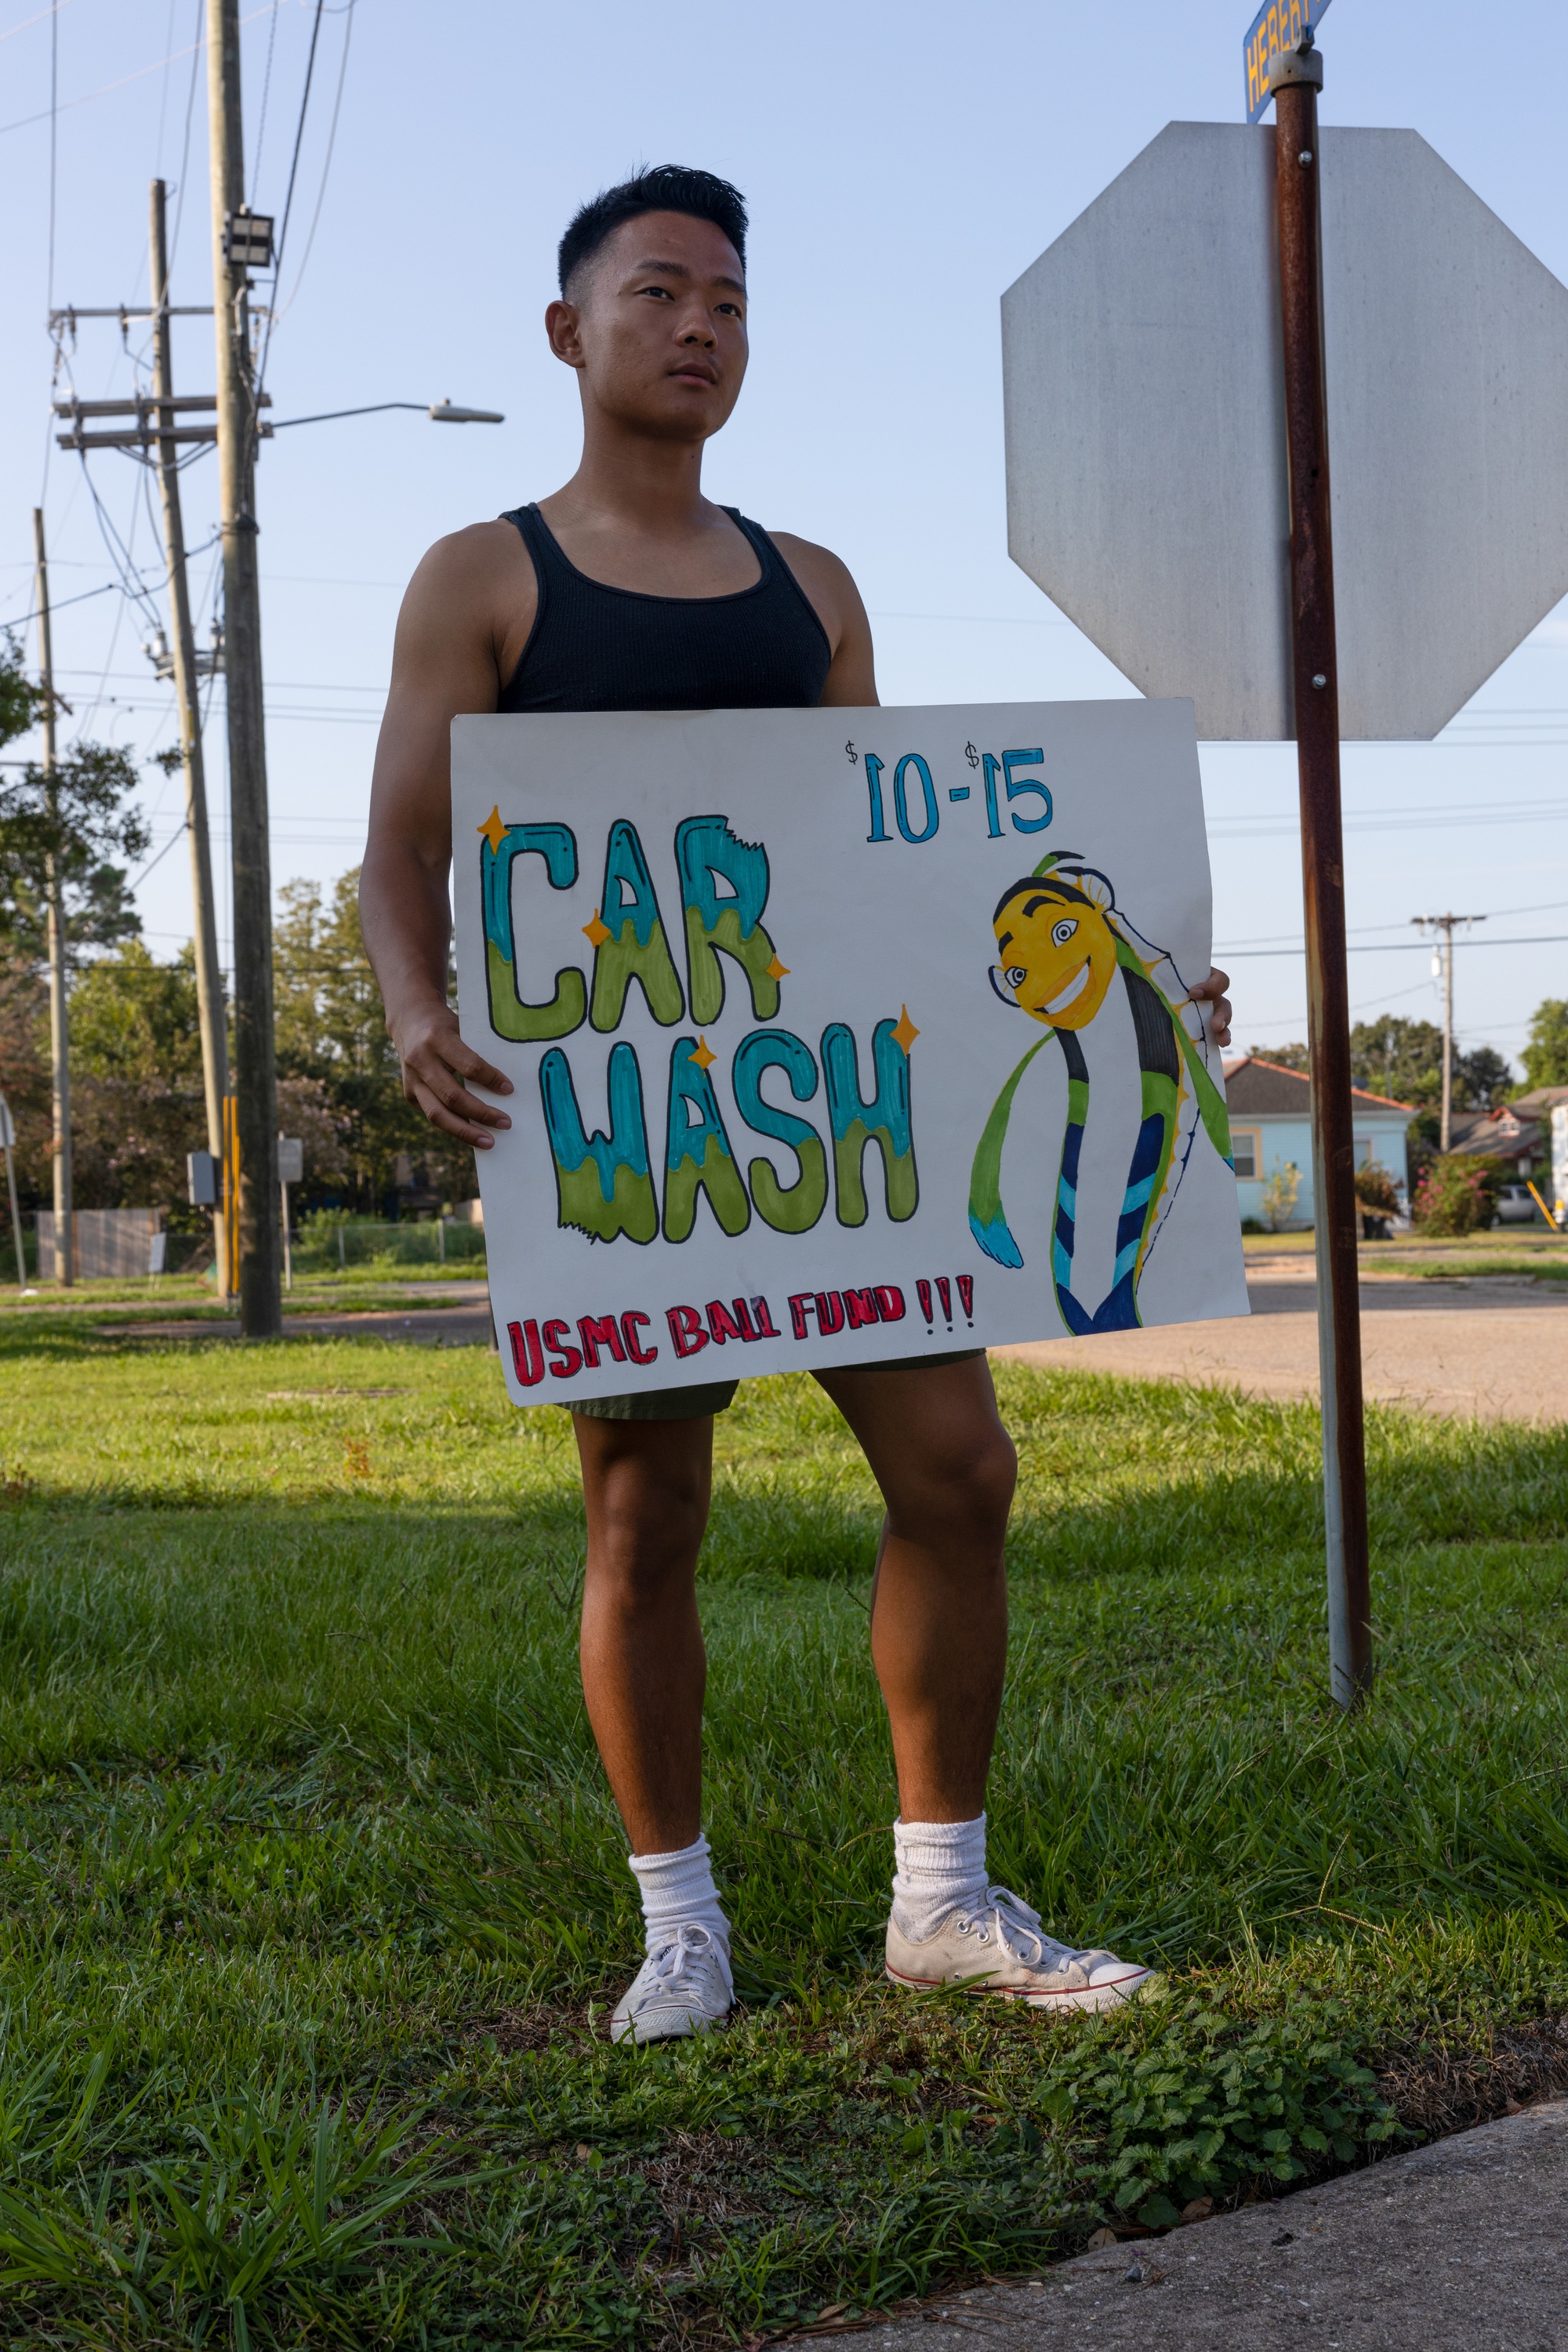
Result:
x=830 y=589
x=445 y=662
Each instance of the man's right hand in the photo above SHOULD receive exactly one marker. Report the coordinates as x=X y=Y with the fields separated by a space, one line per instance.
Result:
x=435 y=1062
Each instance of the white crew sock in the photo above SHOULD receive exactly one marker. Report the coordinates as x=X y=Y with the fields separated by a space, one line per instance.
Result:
x=677 y=1891
x=941 y=1868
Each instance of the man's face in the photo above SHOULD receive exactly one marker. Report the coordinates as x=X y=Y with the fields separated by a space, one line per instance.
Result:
x=656 y=326
x=1056 y=959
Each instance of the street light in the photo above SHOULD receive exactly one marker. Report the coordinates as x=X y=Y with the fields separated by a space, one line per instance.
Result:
x=439 y=412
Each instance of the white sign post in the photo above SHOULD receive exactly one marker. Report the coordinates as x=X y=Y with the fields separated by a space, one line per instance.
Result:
x=291 y=1171
x=839 y=1036
x=8 y=1144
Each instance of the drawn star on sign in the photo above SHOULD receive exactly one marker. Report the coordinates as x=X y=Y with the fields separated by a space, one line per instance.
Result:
x=494 y=830
x=777 y=971
x=905 y=1032
x=596 y=932
x=703 y=1058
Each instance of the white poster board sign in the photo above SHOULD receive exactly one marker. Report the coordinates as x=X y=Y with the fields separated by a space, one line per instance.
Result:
x=839 y=1036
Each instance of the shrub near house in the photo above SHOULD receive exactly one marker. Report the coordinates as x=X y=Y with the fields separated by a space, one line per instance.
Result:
x=1457 y=1195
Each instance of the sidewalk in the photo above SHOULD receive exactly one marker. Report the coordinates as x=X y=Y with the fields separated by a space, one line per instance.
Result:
x=1462 y=2247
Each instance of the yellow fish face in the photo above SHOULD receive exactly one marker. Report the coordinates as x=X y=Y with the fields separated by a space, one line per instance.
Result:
x=1054 y=957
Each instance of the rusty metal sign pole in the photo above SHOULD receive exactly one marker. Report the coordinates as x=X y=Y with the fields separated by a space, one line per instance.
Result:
x=1295 y=79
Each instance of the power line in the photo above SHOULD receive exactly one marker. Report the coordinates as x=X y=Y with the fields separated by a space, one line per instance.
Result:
x=348 y=14
x=53 y=10
x=104 y=89
x=1272 y=939
x=294 y=160
x=196 y=47
x=266 y=92
x=163 y=94
x=1394 y=947
x=54 y=124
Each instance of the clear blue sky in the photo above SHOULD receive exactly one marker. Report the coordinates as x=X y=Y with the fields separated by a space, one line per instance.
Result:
x=903 y=164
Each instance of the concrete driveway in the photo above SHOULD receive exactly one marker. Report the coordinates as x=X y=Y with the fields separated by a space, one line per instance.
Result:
x=1492 y=1348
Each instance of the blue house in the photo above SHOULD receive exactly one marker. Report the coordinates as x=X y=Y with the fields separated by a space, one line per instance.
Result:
x=1271 y=1128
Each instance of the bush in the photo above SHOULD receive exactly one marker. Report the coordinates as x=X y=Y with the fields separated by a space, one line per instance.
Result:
x=335 y=1238
x=1457 y=1195
x=1376 y=1191
x=1281 y=1196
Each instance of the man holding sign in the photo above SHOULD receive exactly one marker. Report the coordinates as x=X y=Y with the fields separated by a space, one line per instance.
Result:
x=627 y=590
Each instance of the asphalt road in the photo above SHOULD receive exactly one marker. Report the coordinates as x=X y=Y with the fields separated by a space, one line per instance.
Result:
x=1494 y=1346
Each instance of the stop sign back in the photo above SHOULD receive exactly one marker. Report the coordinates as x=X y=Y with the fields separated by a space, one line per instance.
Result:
x=1146 y=490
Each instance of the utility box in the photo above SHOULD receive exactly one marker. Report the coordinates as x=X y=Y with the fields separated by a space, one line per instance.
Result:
x=203 y=1179
x=291 y=1160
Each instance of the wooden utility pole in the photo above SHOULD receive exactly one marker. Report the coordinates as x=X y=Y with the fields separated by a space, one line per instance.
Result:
x=1444 y=926
x=256 y=1122
x=1295 y=79
x=209 y=972
x=59 y=1008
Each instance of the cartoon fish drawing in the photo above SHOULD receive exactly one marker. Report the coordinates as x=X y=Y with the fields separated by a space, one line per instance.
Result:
x=1060 y=941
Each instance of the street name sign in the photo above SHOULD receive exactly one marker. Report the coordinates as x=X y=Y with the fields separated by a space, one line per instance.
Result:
x=1284 y=25
x=1146 y=427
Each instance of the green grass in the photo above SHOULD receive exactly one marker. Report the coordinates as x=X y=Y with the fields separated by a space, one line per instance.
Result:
x=312 y=1900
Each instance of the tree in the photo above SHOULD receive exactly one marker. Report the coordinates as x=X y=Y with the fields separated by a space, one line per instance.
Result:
x=77 y=820
x=1486 y=1075
x=21 y=702
x=134 y=1019
x=1403 y=1060
x=331 y=1026
x=137 y=1105
x=1399 y=1059
x=1545 y=1057
x=1284 y=1057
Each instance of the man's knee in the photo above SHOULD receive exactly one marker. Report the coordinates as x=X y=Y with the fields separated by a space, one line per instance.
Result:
x=647 y=1517
x=958 y=1489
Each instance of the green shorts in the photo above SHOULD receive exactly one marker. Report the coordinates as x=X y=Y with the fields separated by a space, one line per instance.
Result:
x=717 y=1396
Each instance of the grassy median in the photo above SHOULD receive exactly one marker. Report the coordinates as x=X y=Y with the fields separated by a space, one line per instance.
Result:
x=314 y=1904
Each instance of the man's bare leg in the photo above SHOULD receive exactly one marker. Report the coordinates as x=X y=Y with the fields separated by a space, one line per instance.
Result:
x=647 y=1485
x=939 y=1611
x=938 y=1637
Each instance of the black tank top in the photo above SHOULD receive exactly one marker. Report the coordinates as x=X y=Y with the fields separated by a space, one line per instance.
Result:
x=594 y=648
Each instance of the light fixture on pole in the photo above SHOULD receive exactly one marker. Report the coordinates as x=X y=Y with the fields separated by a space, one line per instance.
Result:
x=439 y=412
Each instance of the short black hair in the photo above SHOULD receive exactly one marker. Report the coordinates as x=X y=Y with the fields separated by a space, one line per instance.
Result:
x=661 y=188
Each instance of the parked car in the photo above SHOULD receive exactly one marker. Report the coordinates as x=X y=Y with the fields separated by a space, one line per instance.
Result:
x=1515 y=1206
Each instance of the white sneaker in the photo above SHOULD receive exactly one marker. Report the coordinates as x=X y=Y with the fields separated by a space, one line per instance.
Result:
x=683 y=1988
x=1005 y=1951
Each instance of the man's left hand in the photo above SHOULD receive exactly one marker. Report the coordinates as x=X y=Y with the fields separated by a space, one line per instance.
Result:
x=1211 y=992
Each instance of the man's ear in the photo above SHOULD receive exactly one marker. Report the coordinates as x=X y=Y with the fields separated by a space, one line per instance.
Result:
x=563 y=326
